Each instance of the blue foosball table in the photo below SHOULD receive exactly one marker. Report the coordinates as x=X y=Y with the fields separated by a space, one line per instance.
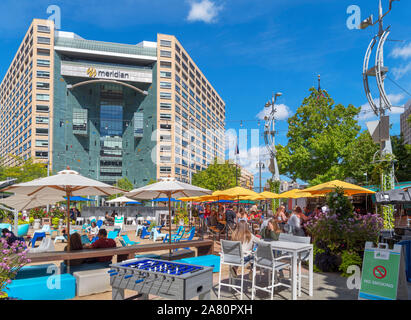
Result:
x=166 y=279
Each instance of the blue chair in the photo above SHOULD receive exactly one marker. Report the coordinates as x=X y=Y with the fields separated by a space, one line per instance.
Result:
x=190 y=236
x=37 y=236
x=128 y=241
x=144 y=233
x=179 y=230
x=174 y=238
x=112 y=234
x=99 y=223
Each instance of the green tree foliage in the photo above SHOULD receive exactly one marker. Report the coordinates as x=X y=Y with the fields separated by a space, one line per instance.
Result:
x=25 y=170
x=124 y=184
x=319 y=134
x=403 y=158
x=358 y=159
x=217 y=176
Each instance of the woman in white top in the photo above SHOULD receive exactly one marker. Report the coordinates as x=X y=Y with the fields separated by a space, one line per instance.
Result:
x=93 y=230
x=242 y=233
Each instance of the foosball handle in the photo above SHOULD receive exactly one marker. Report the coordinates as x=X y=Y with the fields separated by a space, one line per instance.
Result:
x=128 y=276
x=138 y=281
x=113 y=274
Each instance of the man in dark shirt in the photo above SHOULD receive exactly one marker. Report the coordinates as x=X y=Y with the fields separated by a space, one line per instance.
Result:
x=230 y=216
x=102 y=243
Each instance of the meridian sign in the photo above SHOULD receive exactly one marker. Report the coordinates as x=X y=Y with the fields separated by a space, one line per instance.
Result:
x=109 y=74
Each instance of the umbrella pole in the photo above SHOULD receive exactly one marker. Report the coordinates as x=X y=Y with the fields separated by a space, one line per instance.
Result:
x=68 y=228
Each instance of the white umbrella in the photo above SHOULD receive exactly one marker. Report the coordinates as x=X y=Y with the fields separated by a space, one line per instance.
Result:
x=22 y=202
x=122 y=199
x=168 y=187
x=66 y=183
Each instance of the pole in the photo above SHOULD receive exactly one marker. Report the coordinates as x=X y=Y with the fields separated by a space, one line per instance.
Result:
x=169 y=221
x=68 y=194
x=48 y=153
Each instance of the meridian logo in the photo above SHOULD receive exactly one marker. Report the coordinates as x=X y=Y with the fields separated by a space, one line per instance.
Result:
x=117 y=74
x=92 y=72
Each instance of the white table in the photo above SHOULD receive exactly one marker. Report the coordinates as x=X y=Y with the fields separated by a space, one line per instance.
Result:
x=295 y=248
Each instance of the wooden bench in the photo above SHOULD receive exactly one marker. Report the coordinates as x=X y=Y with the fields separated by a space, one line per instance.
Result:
x=204 y=247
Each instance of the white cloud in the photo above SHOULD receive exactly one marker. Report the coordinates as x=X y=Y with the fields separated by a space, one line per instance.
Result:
x=205 y=11
x=367 y=113
x=248 y=159
x=401 y=71
x=402 y=52
x=283 y=112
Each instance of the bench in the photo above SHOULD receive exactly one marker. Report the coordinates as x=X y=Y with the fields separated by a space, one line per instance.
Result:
x=35 y=271
x=51 y=287
x=204 y=247
x=85 y=267
x=92 y=281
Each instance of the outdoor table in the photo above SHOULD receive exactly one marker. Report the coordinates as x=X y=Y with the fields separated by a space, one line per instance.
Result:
x=295 y=248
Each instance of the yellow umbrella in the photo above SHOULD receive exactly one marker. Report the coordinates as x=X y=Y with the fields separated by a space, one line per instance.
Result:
x=236 y=192
x=252 y=198
x=327 y=187
x=270 y=195
x=295 y=194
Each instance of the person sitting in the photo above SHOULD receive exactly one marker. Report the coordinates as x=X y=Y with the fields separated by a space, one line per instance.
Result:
x=212 y=220
x=92 y=230
x=9 y=236
x=102 y=243
x=271 y=231
x=243 y=234
x=294 y=222
x=75 y=244
x=230 y=217
x=242 y=215
x=108 y=218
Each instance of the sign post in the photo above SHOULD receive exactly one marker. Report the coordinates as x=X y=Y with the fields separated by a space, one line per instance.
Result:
x=383 y=273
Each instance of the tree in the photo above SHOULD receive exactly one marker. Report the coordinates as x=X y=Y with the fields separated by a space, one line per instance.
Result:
x=359 y=159
x=403 y=158
x=124 y=184
x=319 y=134
x=217 y=176
x=24 y=170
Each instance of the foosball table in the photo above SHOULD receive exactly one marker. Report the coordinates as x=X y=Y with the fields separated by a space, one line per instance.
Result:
x=166 y=279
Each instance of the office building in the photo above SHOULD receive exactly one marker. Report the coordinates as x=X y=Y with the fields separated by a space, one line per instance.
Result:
x=109 y=110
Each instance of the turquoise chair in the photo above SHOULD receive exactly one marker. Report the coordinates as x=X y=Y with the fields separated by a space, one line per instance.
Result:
x=23 y=230
x=5 y=226
x=128 y=241
x=112 y=235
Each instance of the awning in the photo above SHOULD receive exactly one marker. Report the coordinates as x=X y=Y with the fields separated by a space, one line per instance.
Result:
x=394 y=197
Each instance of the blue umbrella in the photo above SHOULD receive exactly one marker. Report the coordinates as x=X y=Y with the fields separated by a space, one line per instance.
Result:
x=165 y=200
x=76 y=199
x=133 y=202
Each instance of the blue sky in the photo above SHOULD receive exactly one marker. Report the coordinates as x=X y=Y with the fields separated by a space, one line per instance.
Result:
x=247 y=49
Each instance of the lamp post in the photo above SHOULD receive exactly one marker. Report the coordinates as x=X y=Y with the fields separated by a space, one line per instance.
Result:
x=366 y=196
x=269 y=135
x=260 y=165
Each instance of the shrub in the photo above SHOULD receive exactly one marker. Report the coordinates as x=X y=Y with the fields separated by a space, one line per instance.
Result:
x=37 y=213
x=181 y=214
x=349 y=258
x=13 y=259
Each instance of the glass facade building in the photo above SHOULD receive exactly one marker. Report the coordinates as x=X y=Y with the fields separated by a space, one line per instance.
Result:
x=109 y=110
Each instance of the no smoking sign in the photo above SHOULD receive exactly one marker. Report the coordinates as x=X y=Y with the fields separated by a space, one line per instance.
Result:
x=379 y=272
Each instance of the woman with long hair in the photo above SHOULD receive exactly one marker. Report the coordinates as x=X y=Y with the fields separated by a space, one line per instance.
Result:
x=281 y=217
x=75 y=244
x=242 y=215
x=272 y=230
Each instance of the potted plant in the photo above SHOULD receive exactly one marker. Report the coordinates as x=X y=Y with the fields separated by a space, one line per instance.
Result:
x=11 y=263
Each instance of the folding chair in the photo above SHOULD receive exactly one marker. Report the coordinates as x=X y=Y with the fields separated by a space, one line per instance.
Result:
x=232 y=255
x=264 y=259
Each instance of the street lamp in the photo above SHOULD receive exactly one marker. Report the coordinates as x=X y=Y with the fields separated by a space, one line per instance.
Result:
x=269 y=135
x=366 y=196
x=260 y=165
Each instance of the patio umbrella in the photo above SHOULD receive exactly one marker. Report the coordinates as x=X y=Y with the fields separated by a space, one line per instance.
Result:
x=79 y=199
x=66 y=183
x=168 y=187
x=296 y=194
x=270 y=195
x=165 y=200
x=122 y=199
x=236 y=192
x=327 y=187
x=23 y=202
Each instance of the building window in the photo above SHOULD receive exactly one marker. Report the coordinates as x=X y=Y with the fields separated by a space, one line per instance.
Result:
x=165 y=116
x=42 y=154
x=43 y=85
x=42 y=131
x=165 y=169
x=43 y=52
x=43 y=40
x=138 y=124
x=42 y=120
x=42 y=143
x=165 y=106
x=165 y=43
x=165 y=74
x=165 y=95
x=165 y=53
x=165 y=64
x=45 y=29
x=43 y=74
x=165 y=85
x=43 y=63
x=42 y=108
x=43 y=97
